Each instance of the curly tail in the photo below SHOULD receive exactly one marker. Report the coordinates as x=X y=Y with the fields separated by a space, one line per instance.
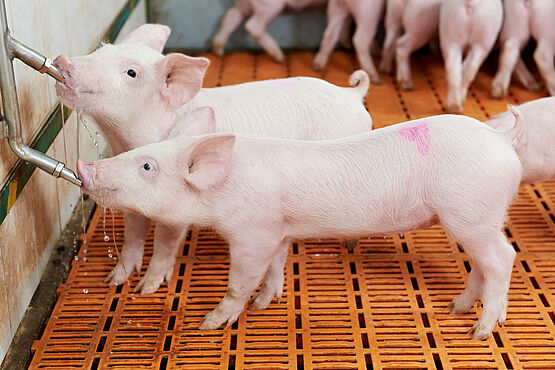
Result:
x=360 y=83
x=514 y=132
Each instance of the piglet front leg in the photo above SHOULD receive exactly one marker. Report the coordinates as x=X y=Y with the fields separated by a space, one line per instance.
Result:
x=249 y=262
x=167 y=241
x=131 y=257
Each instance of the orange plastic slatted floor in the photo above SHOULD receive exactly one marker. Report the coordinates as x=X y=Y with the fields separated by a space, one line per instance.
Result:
x=382 y=306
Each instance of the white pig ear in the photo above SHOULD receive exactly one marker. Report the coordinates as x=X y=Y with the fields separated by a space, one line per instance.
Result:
x=152 y=35
x=182 y=76
x=209 y=161
x=198 y=122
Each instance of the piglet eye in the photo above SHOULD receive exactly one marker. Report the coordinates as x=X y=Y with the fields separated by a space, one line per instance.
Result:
x=131 y=73
x=148 y=167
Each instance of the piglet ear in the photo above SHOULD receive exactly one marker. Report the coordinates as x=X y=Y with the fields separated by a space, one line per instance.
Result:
x=151 y=35
x=182 y=77
x=198 y=122
x=209 y=161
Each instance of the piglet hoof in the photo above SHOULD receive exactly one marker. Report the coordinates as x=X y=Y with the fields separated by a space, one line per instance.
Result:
x=120 y=273
x=278 y=57
x=498 y=91
x=375 y=79
x=263 y=299
x=479 y=332
x=216 y=318
x=149 y=284
x=319 y=64
x=218 y=48
x=386 y=68
x=454 y=108
x=406 y=85
x=533 y=86
x=461 y=304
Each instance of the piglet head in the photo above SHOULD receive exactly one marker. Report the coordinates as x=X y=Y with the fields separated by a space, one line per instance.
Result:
x=130 y=83
x=168 y=181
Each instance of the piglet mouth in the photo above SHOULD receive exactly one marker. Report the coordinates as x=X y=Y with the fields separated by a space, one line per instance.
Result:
x=70 y=93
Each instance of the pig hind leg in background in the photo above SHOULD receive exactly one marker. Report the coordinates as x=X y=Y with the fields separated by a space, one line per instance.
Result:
x=420 y=21
x=513 y=37
x=543 y=31
x=393 y=28
x=466 y=24
x=260 y=13
x=232 y=20
x=366 y=14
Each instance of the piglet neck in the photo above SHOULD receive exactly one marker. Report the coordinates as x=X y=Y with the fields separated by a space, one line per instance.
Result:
x=146 y=127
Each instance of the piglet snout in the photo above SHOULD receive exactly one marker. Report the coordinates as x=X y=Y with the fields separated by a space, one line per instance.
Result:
x=63 y=64
x=86 y=172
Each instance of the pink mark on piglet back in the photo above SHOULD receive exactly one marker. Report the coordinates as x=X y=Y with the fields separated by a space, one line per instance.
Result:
x=419 y=133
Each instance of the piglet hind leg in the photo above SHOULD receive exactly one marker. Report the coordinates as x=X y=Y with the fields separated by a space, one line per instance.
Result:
x=256 y=27
x=249 y=264
x=489 y=280
x=543 y=55
x=510 y=53
x=337 y=16
x=273 y=281
x=232 y=20
x=471 y=65
x=453 y=69
x=167 y=241
x=131 y=256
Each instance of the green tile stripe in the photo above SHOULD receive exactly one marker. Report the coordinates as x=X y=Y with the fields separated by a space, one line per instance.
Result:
x=21 y=172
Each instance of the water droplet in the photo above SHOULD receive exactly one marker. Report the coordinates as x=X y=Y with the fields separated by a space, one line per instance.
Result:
x=385 y=237
x=97 y=133
x=84 y=259
x=85 y=250
x=129 y=321
x=76 y=258
x=110 y=251
x=86 y=273
x=85 y=291
x=106 y=238
x=133 y=296
x=402 y=235
x=109 y=256
x=140 y=335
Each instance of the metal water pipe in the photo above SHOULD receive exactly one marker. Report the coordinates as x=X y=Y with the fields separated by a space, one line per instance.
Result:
x=10 y=49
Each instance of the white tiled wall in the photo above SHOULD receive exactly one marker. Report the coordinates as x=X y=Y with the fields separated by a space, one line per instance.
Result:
x=52 y=27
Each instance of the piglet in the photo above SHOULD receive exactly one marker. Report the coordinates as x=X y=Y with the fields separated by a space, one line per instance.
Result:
x=535 y=145
x=137 y=95
x=259 y=13
x=419 y=19
x=525 y=18
x=472 y=25
x=367 y=14
x=260 y=193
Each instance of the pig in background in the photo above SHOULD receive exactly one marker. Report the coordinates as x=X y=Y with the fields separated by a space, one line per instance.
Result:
x=259 y=13
x=261 y=193
x=535 y=145
x=136 y=95
x=367 y=14
x=471 y=26
x=419 y=19
x=525 y=18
